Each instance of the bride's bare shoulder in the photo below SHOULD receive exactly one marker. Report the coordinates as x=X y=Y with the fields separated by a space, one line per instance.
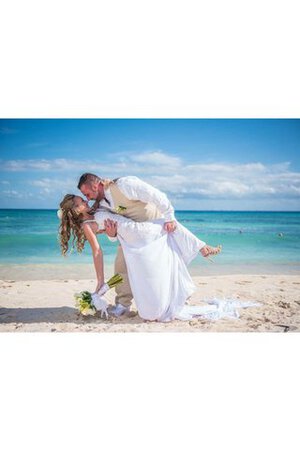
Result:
x=89 y=226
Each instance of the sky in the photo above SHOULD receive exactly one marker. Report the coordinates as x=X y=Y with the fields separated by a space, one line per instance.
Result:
x=201 y=164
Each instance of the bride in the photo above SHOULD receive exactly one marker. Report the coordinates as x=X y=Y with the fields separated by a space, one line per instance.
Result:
x=156 y=260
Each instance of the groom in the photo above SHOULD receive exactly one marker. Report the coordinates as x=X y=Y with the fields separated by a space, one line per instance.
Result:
x=137 y=200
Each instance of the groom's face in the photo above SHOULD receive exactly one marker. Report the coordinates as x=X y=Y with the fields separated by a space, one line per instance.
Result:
x=90 y=190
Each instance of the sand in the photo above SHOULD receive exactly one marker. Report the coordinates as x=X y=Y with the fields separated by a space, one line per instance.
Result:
x=48 y=305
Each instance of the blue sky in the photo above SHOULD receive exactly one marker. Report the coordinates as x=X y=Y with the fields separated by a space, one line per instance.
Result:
x=217 y=164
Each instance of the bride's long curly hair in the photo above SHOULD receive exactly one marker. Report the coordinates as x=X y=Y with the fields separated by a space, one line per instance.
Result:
x=70 y=226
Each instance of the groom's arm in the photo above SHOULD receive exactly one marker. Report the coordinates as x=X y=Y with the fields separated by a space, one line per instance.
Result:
x=136 y=189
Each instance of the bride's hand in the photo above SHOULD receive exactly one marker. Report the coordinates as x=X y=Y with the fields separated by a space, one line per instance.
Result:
x=98 y=287
x=101 y=288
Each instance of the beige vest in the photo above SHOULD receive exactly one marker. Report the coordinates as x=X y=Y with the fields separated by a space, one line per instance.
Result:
x=135 y=209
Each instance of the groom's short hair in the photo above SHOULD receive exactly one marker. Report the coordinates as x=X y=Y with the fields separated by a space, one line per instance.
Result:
x=87 y=178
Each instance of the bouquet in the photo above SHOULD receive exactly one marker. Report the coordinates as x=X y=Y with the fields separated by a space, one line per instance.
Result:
x=83 y=301
x=88 y=304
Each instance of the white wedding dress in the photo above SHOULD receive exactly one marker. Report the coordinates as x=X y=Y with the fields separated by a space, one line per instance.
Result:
x=157 y=268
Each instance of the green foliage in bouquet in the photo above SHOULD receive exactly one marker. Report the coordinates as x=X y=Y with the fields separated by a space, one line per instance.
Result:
x=114 y=281
x=83 y=300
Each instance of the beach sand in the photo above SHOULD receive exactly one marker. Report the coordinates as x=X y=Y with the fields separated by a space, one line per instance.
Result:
x=48 y=305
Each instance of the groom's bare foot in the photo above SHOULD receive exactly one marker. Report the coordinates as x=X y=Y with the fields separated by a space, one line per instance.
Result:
x=207 y=250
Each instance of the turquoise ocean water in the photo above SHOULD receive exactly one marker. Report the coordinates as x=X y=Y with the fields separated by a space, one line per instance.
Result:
x=248 y=238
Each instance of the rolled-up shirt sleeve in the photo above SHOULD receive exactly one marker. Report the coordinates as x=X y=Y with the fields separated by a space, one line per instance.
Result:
x=136 y=189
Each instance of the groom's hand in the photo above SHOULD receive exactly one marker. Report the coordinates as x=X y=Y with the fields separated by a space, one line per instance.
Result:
x=110 y=228
x=170 y=226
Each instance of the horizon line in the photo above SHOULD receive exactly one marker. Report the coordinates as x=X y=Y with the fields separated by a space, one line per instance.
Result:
x=182 y=210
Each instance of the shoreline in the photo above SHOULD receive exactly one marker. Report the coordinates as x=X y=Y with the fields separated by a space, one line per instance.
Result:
x=27 y=272
x=48 y=306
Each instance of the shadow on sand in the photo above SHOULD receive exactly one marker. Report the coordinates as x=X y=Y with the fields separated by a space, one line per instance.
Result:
x=63 y=314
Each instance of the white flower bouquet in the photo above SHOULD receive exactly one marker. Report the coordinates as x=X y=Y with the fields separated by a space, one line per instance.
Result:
x=88 y=304
x=83 y=301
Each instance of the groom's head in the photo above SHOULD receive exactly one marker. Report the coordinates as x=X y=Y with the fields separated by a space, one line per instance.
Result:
x=91 y=186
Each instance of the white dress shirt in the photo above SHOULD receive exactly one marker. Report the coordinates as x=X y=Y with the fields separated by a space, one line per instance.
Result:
x=135 y=189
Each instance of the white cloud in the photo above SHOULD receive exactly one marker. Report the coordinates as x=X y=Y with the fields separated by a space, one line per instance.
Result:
x=45 y=182
x=137 y=161
x=225 y=168
x=172 y=175
x=21 y=165
x=58 y=186
x=156 y=158
x=13 y=194
x=230 y=181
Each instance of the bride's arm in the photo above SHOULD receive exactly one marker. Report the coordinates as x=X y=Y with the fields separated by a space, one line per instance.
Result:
x=89 y=232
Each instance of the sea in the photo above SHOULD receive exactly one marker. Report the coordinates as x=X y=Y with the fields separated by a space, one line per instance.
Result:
x=253 y=242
